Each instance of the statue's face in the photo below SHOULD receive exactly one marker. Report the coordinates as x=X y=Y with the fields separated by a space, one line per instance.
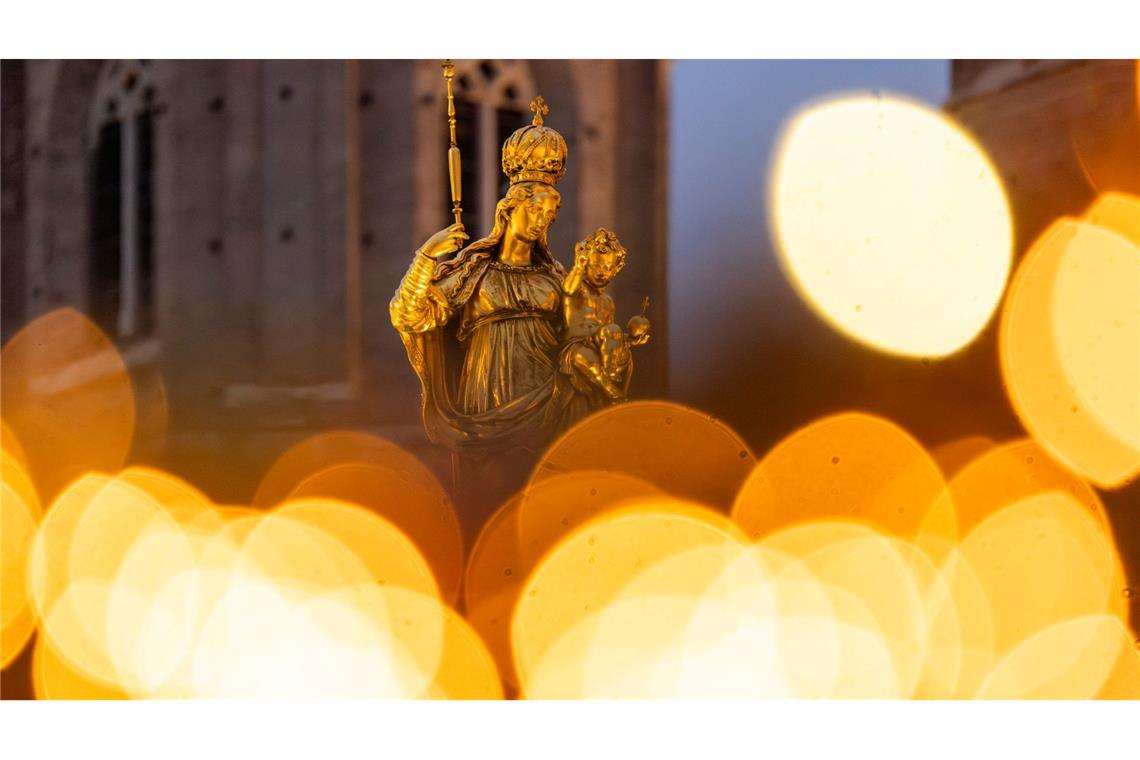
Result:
x=602 y=267
x=530 y=219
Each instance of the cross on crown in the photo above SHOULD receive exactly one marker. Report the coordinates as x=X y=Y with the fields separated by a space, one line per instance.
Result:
x=538 y=105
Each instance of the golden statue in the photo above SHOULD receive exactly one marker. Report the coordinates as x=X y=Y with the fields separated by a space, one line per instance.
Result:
x=510 y=350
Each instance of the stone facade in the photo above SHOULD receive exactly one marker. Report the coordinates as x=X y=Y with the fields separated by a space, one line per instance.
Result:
x=276 y=206
x=1059 y=132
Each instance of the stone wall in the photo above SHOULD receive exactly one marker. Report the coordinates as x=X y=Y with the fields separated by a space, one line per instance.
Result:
x=1059 y=132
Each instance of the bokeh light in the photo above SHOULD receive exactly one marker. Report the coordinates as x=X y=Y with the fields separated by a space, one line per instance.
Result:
x=19 y=512
x=891 y=222
x=68 y=397
x=80 y=543
x=588 y=568
x=706 y=615
x=852 y=465
x=492 y=579
x=599 y=584
x=1068 y=339
x=466 y=669
x=1083 y=658
x=11 y=444
x=180 y=499
x=1119 y=212
x=1041 y=561
x=520 y=532
x=418 y=506
x=552 y=507
x=678 y=449
x=871 y=569
x=1013 y=471
x=151 y=611
x=317 y=452
x=655 y=599
x=955 y=454
x=369 y=549
x=54 y=678
x=1108 y=158
x=143 y=588
x=1017 y=470
x=377 y=474
x=266 y=639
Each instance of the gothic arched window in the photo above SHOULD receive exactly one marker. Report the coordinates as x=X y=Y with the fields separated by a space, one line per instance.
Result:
x=121 y=266
x=491 y=100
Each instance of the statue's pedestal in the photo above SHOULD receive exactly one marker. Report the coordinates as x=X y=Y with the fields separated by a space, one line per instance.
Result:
x=484 y=482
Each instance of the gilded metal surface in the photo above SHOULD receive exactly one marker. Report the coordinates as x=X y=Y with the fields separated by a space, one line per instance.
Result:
x=453 y=157
x=596 y=355
x=509 y=347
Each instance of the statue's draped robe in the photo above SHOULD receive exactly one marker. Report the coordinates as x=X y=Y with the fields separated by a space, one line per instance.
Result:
x=485 y=345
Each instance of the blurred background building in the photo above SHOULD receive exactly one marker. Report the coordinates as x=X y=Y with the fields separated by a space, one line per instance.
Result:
x=1059 y=132
x=239 y=227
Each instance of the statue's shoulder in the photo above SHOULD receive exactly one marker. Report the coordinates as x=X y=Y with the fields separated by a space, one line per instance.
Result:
x=463 y=263
x=457 y=277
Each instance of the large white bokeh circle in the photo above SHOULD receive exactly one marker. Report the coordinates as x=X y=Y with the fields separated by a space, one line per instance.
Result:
x=891 y=223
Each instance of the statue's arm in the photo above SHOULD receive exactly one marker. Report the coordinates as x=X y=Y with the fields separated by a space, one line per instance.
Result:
x=639 y=326
x=573 y=281
x=574 y=277
x=413 y=309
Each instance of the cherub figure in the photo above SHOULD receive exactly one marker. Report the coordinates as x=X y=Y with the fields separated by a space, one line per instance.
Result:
x=596 y=354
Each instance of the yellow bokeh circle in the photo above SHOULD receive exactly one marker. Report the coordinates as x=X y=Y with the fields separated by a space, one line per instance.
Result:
x=891 y=222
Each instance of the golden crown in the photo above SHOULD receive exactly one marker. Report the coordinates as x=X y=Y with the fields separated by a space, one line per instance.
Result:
x=535 y=153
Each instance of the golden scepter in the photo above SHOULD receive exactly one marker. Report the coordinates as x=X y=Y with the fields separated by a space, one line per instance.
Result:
x=453 y=167
x=453 y=152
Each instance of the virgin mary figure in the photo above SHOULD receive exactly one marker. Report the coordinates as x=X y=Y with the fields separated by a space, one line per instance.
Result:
x=482 y=325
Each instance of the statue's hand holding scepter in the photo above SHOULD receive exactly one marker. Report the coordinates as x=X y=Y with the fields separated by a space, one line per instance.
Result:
x=449 y=240
x=409 y=308
x=445 y=242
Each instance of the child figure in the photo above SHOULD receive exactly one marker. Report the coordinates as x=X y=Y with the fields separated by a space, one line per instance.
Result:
x=596 y=354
